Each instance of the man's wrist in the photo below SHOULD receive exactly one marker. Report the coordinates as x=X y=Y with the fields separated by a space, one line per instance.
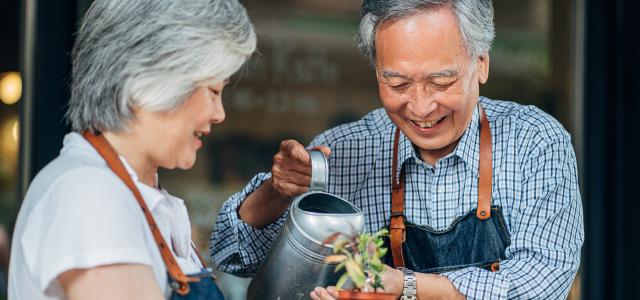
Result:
x=263 y=206
x=410 y=285
x=269 y=191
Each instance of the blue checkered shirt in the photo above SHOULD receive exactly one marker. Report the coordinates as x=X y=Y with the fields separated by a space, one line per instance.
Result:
x=534 y=181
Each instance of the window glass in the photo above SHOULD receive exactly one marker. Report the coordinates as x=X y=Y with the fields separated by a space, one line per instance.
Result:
x=308 y=76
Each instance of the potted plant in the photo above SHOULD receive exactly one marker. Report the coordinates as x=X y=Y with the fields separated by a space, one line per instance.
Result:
x=360 y=256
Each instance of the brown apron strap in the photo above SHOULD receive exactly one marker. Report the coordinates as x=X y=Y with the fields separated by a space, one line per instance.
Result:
x=485 y=167
x=113 y=161
x=397 y=230
x=397 y=233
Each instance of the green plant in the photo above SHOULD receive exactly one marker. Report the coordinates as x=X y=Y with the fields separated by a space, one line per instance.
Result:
x=361 y=256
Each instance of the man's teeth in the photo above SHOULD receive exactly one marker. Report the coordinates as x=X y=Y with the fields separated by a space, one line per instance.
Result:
x=427 y=124
x=197 y=134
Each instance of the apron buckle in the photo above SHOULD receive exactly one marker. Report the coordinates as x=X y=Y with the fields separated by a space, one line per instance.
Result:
x=395 y=214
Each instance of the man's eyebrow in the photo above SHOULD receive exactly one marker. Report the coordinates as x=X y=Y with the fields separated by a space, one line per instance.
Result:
x=387 y=74
x=443 y=73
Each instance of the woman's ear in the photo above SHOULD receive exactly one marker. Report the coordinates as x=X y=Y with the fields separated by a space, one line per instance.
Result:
x=483 y=68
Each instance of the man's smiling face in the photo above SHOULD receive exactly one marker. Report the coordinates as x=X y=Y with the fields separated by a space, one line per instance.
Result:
x=427 y=81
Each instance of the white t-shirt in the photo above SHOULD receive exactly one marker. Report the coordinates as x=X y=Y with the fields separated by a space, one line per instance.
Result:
x=78 y=214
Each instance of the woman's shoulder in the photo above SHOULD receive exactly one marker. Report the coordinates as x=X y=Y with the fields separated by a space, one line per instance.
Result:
x=67 y=174
x=71 y=187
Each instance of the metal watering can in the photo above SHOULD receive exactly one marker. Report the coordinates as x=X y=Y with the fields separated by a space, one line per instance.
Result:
x=295 y=264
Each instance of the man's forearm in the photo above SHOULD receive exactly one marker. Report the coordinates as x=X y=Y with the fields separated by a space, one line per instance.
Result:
x=263 y=207
x=433 y=286
x=429 y=286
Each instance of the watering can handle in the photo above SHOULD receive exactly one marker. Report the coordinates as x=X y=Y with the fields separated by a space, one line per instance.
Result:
x=319 y=170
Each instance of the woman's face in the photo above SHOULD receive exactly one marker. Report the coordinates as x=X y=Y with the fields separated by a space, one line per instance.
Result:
x=172 y=138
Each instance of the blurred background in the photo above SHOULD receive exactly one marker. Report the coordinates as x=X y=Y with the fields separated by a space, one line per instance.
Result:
x=576 y=59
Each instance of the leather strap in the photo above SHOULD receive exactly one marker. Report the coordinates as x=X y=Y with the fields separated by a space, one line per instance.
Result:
x=397 y=233
x=485 y=167
x=113 y=161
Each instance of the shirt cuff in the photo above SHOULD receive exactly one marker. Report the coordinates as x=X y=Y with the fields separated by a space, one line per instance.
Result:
x=238 y=247
x=477 y=283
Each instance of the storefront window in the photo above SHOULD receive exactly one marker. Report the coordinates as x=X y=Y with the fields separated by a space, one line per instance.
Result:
x=307 y=77
x=10 y=96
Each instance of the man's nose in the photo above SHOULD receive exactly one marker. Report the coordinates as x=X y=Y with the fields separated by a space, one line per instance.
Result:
x=423 y=102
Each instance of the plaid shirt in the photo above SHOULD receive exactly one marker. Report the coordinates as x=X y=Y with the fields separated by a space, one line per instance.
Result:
x=534 y=181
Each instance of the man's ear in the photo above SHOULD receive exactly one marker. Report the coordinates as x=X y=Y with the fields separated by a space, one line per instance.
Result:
x=483 y=68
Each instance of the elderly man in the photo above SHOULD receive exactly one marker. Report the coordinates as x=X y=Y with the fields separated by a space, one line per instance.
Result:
x=481 y=196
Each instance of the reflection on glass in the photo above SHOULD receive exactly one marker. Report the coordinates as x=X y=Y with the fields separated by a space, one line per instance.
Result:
x=8 y=184
x=10 y=87
x=15 y=131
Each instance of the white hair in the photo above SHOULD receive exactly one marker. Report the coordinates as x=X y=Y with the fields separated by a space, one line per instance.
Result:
x=152 y=54
x=474 y=18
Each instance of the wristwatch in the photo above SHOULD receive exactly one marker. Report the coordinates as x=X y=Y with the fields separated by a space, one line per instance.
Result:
x=410 y=284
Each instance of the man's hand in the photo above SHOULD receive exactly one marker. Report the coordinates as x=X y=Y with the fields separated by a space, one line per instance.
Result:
x=291 y=170
x=290 y=177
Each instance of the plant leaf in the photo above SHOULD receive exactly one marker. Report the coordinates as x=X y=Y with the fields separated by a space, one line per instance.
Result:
x=378 y=283
x=331 y=239
x=342 y=280
x=334 y=259
x=371 y=249
x=377 y=267
x=339 y=245
x=355 y=273
x=383 y=252
x=339 y=267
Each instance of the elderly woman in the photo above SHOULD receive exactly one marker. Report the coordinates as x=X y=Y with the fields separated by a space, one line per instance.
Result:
x=147 y=82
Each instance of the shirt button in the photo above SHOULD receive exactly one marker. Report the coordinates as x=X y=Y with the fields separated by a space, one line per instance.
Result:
x=441 y=189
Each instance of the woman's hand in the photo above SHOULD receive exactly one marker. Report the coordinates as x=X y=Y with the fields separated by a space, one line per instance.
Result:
x=330 y=293
x=392 y=279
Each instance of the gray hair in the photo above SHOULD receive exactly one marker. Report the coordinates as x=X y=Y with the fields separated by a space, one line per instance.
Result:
x=152 y=54
x=474 y=18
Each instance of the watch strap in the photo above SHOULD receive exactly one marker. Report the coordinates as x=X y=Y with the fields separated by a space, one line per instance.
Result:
x=409 y=289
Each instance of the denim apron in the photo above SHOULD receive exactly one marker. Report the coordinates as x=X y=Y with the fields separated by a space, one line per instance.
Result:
x=197 y=286
x=206 y=288
x=476 y=239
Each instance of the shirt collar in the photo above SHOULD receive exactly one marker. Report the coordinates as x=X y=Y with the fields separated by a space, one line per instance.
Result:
x=406 y=151
x=152 y=196
x=468 y=148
